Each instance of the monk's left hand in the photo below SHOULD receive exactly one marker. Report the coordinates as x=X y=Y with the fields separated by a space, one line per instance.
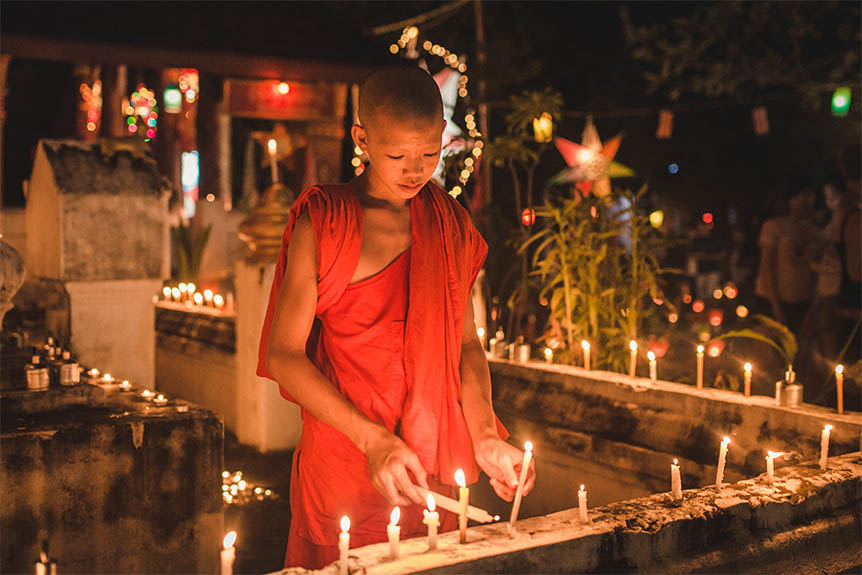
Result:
x=502 y=462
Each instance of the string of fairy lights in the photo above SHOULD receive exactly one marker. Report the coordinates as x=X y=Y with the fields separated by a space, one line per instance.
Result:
x=408 y=42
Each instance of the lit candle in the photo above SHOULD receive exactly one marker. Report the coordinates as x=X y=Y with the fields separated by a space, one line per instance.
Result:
x=218 y=301
x=722 y=457
x=633 y=357
x=652 y=366
x=177 y=295
x=449 y=504
x=108 y=378
x=147 y=394
x=272 y=148
x=675 y=480
x=549 y=355
x=190 y=288
x=582 y=505
x=166 y=291
x=343 y=545
x=394 y=533
x=93 y=372
x=519 y=492
x=160 y=399
x=125 y=385
x=182 y=287
x=747 y=378
x=839 y=386
x=432 y=520
x=42 y=564
x=770 y=467
x=464 y=501
x=208 y=296
x=199 y=299
x=228 y=553
x=586 y=347
x=700 y=367
x=824 y=445
x=481 y=333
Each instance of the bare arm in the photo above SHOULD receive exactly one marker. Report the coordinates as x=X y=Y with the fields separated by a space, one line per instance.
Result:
x=389 y=457
x=500 y=460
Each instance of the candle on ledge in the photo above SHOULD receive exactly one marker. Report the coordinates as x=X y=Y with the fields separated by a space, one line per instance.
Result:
x=208 y=296
x=653 y=372
x=432 y=520
x=549 y=355
x=722 y=458
x=160 y=399
x=824 y=445
x=700 y=367
x=125 y=385
x=633 y=358
x=586 y=347
x=182 y=287
x=839 y=386
x=166 y=291
x=343 y=545
x=582 y=504
x=272 y=148
x=147 y=394
x=107 y=378
x=480 y=331
x=519 y=492
x=198 y=298
x=675 y=481
x=770 y=467
x=176 y=294
x=228 y=553
x=190 y=289
x=464 y=501
x=394 y=533
x=747 y=379
x=218 y=300
x=42 y=564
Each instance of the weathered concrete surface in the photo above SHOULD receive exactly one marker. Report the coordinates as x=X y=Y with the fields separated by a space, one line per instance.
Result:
x=118 y=486
x=745 y=524
x=638 y=427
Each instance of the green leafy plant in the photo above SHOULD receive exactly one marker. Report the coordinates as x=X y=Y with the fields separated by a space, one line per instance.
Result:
x=189 y=246
x=774 y=334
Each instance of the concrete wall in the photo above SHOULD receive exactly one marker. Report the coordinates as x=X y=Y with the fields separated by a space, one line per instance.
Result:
x=113 y=484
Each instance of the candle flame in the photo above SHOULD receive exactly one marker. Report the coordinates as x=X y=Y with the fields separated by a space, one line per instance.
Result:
x=770 y=454
x=345 y=523
x=395 y=516
x=229 y=540
x=432 y=505
x=582 y=487
x=182 y=287
x=700 y=349
x=191 y=287
x=585 y=344
x=650 y=356
x=208 y=294
x=480 y=332
x=633 y=345
x=272 y=145
x=675 y=461
x=747 y=367
x=839 y=369
x=726 y=440
x=167 y=291
x=460 y=479
x=827 y=427
x=528 y=446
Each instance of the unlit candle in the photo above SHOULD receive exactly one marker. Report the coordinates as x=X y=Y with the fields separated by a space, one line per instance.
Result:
x=582 y=504
x=824 y=445
x=722 y=457
x=675 y=481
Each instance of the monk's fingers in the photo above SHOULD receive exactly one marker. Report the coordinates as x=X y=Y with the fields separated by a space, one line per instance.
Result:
x=405 y=486
x=507 y=468
x=389 y=490
x=502 y=490
x=415 y=466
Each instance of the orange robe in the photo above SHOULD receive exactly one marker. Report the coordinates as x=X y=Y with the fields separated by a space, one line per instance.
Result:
x=391 y=344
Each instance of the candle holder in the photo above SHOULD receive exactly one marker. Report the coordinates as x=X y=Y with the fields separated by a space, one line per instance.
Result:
x=262 y=230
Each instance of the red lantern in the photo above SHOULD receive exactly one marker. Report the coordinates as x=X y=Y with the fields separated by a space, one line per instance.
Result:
x=528 y=216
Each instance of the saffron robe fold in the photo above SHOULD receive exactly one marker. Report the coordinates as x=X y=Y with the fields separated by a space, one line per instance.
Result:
x=446 y=254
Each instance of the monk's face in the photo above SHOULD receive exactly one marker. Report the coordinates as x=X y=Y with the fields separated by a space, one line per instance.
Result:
x=402 y=154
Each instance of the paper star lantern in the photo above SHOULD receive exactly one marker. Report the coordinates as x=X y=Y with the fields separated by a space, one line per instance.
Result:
x=591 y=163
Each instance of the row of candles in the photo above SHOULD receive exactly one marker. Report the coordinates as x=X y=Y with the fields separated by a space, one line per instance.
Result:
x=466 y=511
x=108 y=380
x=653 y=369
x=187 y=293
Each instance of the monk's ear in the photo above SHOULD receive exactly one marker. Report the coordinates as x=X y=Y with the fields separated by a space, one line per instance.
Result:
x=360 y=137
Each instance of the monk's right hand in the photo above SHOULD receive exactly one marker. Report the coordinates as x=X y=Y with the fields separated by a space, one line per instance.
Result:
x=389 y=461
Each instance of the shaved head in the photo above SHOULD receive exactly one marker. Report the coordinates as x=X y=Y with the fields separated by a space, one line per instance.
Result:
x=402 y=93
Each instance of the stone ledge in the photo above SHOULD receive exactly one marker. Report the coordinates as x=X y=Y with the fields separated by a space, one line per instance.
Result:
x=638 y=534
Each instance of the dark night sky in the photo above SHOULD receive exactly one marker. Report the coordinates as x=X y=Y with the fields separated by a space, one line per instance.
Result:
x=579 y=47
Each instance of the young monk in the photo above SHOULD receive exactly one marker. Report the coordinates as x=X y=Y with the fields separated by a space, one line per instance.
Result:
x=370 y=329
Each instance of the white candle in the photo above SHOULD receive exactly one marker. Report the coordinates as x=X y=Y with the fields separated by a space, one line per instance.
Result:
x=633 y=357
x=182 y=288
x=190 y=288
x=549 y=355
x=218 y=300
x=42 y=564
x=778 y=385
x=653 y=375
x=343 y=545
x=432 y=520
x=519 y=492
x=208 y=296
x=770 y=467
x=675 y=480
x=700 y=367
x=198 y=298
x=394 y=533
x=582 y=505
x=177 y=295
x=228 y=553
x=125 y=385
x=272 y=148
x=166 y=291
x=722 y=457
x=160 y=399
x=480 y=331
x=747 y=377
x=464 y=501
x=147 y=394
x=586 y=347
x=449 y=504
x=824 y=445
x=839 y=386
